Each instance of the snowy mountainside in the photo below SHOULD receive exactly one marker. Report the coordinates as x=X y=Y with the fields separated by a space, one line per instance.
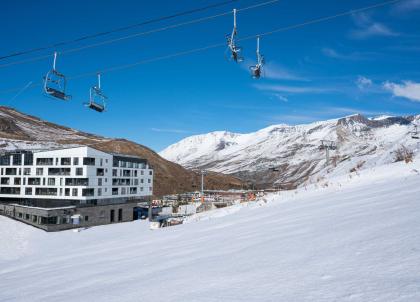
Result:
x=286 y=156
x=353 y=240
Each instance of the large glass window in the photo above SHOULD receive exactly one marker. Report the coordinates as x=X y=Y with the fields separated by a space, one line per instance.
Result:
x=39 y=171
x=88 y=161
x=77 y=182
x=58 y=171
x=17 y=159
x=34 y=181
x=51 y=181
x=46 y=191
x=28 y=191
x=5 y=160
x=5 y=181
x=11 y=171
x=27 y=171
x=11 y=191
x=29 y=159
x=44 y=161
x=75 y=161
x=66 y=161
x=88 y=192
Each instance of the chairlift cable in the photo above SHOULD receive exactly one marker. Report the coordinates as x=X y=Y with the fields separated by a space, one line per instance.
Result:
x=135 y=35
x=191 y=51
x=124 y=28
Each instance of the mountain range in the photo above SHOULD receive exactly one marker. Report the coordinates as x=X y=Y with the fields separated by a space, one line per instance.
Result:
x=286 y=156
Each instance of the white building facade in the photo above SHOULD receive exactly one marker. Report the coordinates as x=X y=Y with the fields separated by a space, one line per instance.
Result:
x=73 y=176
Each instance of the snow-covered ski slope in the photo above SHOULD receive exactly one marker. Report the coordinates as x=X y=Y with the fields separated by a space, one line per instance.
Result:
x=355 y=237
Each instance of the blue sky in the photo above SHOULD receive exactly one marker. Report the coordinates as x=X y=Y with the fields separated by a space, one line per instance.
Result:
x=365 y=63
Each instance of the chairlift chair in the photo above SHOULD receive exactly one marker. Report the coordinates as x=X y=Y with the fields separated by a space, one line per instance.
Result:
x=55 y=83
x=96 y=97
x=234 y=49
x=256 y=70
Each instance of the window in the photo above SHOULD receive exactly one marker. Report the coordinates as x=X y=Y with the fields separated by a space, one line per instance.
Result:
x=66 y=161
x=17 y=181
x=74 y=192
x=58 y=171
x=112 y=215
x=119 y=214
x=133 y=190
x=75 y=161
x=29 y=159
x=5 y=160
x=27 y=171
x=141 y=172
x=114 y=172
x=43 y=181
x=61 y=191
x=101 y=162
x=67 y=192
x=46 y=191
x=86 y=218
x=100 y=172
x=11 y=191
x=51 y=181
x=88 y=192
x=28 y=191
x=56 y=161
x=150 y=172
x=11 y=171
x=136 y=182
x=5 y=181
x=77 y=182
x=122 y=191
x=17 y=159
x=123 y=164
x=142 y=180
x=99 y=181
x=34 y=181
x=79 y=171
x=135 y=173
x=99 y=192
x=44 y=161
x=39 y=171
x=88 y=161
x=149 y=181
x=114 y=191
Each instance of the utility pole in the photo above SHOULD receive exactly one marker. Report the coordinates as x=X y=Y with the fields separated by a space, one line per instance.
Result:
x=203 y=172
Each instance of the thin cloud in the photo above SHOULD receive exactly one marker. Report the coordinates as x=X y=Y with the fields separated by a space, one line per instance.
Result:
x=363 y=82
x=169 y=130
x=406 y=6
x=408 y=90
x=368 y=28
x=292 y=89
x=354 y=56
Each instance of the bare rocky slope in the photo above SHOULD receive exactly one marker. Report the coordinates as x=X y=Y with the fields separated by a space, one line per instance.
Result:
x=287 y=156
x=21 y=131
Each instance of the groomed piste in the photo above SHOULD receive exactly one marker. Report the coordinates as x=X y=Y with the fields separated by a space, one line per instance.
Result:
x=354 y=237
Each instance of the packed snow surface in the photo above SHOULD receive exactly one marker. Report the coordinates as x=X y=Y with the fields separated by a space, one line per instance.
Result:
x=354 y=237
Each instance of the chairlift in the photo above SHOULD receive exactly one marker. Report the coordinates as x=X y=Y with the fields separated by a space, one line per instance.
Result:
x=96 y=97
x=234 y=49
x=256 y=70
x=55 y=83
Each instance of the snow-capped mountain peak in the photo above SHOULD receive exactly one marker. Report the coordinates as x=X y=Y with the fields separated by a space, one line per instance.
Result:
x=290 y=155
